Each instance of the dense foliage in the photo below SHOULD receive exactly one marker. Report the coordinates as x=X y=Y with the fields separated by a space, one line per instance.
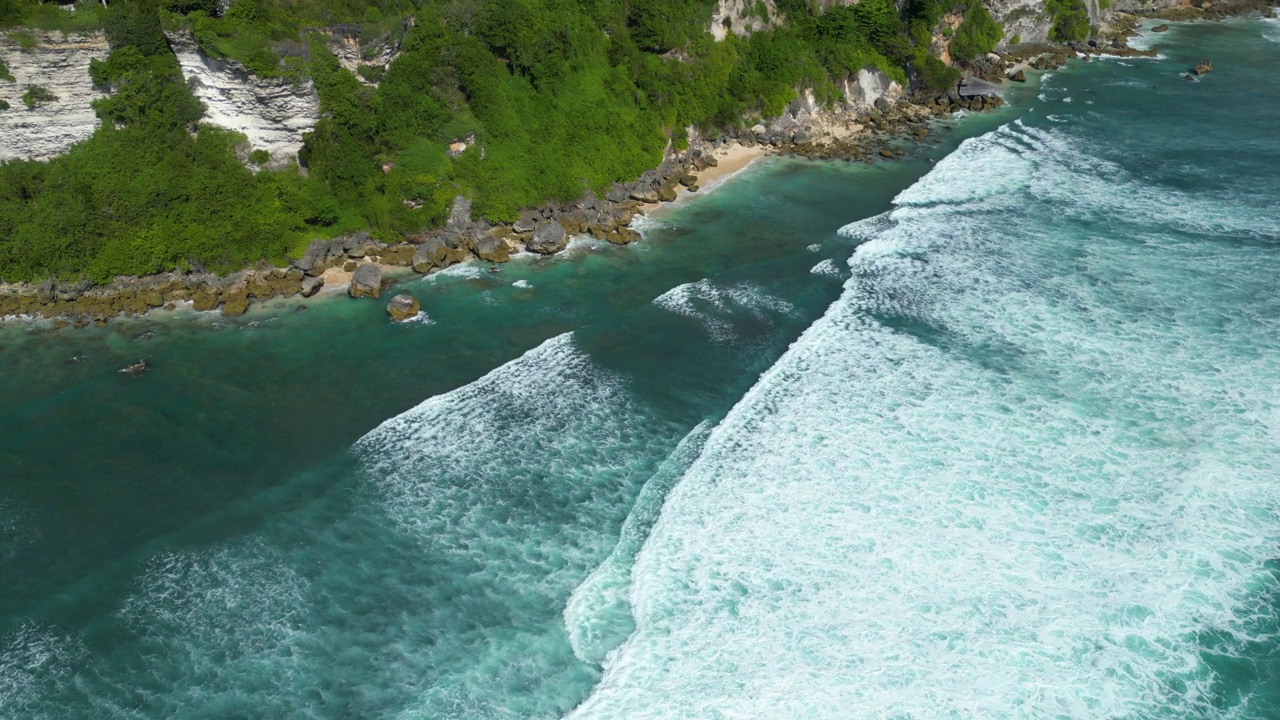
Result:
x=1070 y=20
x=553 y=97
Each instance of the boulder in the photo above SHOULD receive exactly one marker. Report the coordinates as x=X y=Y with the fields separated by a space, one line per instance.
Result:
x=1160 y=29
x=310 y=286
x=1203 y=67
x=667 y=194
x=313 y=259
x=524 y=224
x=1020 y=76
x=204 y=298
x=235 y=302
x=645 y=195
x=430 y=254
x=493 y=249
x=366 y=282
x=688 y=179
x=402 y=307
x=400 y=254
x=548 y=237
x=622 y=236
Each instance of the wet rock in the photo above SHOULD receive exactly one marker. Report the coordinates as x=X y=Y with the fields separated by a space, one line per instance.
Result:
x=548 y=237
x=366 y=282
x=1020 y=76
x=1160 y=29
x=1203 y=67
x=204 y=299
x=402 y=307
x=622 y=236
x=135 y=369
x=311 y=286
x=235 y=302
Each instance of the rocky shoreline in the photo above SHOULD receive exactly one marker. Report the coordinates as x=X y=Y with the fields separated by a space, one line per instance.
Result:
x=868 y=132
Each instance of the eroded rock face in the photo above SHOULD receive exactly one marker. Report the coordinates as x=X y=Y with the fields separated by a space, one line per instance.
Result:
x=862 y=89
x=273 y=113
x=366 y=282
x=59 y=63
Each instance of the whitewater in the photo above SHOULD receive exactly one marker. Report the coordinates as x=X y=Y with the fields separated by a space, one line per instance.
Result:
x=1025 y=467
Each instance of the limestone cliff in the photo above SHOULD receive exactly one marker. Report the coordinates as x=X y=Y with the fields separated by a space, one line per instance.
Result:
x=742 y=17
x=273 y=113
x=60 y=64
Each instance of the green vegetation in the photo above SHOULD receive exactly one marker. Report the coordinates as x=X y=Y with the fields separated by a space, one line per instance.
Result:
x=4 y=104
x=1070 y=20
x=86 y=15
x=36 y=95
x=4 y=72
x=557 y=97
x=978 y=33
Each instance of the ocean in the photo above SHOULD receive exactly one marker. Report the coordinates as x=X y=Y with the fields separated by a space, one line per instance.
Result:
x=989 y=432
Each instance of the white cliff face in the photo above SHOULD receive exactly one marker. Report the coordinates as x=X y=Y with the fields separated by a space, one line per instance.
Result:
x=272 y=113
x=740 y=17
x=59 y=63
x=863 y=89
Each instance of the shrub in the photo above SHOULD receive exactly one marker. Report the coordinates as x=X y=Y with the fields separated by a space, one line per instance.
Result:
x=37 y=95
x=1070 y=20
x=978 y=33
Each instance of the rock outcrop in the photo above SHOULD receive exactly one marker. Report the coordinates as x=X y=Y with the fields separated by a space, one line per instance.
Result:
x=60 y=64
x=273 y=113
x=366 y=281
x=549 y=237
x=402 y=307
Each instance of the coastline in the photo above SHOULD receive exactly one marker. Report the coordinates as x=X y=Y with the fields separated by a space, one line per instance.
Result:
x=874 y=134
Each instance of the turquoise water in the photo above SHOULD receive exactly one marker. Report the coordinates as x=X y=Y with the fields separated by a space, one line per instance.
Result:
x=995 y=437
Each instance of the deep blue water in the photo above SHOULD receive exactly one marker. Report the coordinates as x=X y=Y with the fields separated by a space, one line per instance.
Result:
x=995 y=437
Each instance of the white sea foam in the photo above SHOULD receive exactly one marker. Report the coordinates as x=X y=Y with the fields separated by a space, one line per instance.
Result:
x=827 y=268
x=1012 y=473
x=713 y=305
x=522 y=284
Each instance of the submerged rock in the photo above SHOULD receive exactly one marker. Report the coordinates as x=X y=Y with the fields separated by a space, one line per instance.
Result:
x=1160 y=29
x=366 y=282
x=135 y=369
x=402 y=307
x=1203 y=67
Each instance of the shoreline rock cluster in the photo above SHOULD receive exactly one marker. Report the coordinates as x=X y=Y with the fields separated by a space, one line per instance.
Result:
x=863 y=134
